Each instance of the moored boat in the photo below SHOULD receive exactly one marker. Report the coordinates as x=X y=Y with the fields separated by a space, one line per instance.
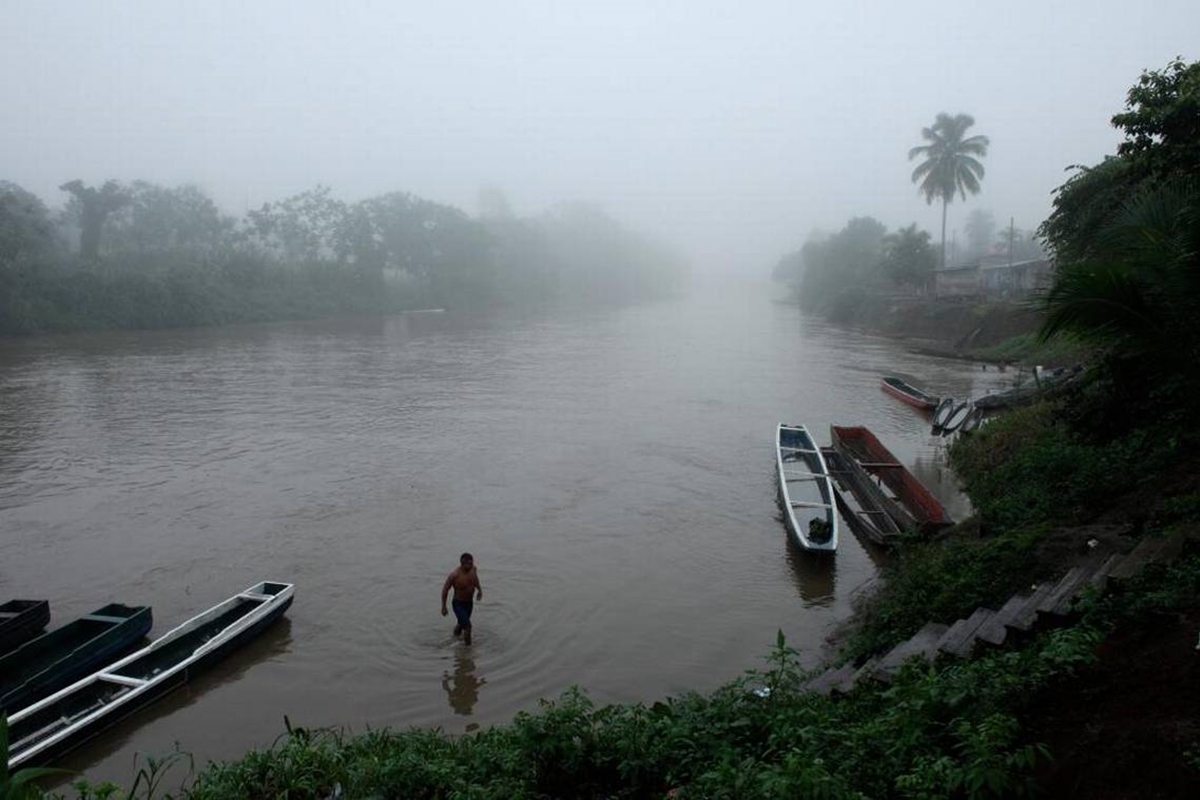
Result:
x=805 y=490
x=62 y=721
x=957 y=417
x=20 y=621
x=916 y=506
x=941 y=414
x=44 y=665
x=863 y=504
x=906 y=392
x=972 y=422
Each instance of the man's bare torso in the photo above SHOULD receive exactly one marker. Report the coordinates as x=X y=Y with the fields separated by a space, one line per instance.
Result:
x=465 y=582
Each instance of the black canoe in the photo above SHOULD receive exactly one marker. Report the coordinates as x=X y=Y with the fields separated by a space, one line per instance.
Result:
x=69 y=717
x=20 y=621
x=56 y=659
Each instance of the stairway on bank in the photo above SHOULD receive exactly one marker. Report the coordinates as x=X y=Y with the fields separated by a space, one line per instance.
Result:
x=1046 y=605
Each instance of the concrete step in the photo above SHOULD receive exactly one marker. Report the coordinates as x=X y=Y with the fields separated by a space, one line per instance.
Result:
x=923 y=644
x=1100 y=578
x=833 y=679
x=867 y=672
x=995 y=630
x=1150 y=550
x=1026 y=616
x=960 y=639
x=1060 y=599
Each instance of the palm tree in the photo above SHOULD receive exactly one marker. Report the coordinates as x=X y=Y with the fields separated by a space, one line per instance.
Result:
x=950 y=164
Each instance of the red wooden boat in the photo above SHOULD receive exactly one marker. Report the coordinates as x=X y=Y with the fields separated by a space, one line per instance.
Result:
x=906 y=392
x=916 y=506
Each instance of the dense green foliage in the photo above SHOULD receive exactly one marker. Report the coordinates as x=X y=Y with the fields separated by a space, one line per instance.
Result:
x=1127 y=236
x=152 y=256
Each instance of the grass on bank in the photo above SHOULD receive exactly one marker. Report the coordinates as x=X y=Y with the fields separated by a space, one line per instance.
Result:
x=1027 y=350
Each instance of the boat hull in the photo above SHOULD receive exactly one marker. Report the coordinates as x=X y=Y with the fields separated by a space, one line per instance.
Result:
x=917 y=506
x=45 y=666
x=20 y=621
x=45 y=751
x=907 y=393
x=800 y=466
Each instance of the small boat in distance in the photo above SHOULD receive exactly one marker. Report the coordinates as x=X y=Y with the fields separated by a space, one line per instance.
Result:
x=62 y=721
x=20 y=621
x=906 y=392
x=805 y=490
x=51 y=661
x=914 y=506
x=941 y=414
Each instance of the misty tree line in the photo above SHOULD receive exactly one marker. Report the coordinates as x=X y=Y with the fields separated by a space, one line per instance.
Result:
x=831 y=270
x=140 y=255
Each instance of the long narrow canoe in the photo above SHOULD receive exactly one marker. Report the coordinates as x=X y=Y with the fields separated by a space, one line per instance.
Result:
x=73 y=715
x=872 y=514
x=941 y=414
x=44 y=665
x=918 y=507
x=20 y=621
x=805 y=491
x=906 y=392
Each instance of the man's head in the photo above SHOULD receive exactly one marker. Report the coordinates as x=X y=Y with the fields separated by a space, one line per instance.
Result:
x=466 y=561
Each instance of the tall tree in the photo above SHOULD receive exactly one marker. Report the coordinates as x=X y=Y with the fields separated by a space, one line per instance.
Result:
x=951 y=164
x=95 y=205
x=908 y=257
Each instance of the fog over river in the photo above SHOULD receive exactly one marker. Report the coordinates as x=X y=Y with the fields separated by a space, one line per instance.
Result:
x=612 y=472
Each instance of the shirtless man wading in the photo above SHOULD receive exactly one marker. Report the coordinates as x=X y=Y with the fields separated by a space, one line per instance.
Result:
x=465 y=580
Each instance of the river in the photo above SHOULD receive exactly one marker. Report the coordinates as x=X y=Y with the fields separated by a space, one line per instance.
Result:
x=612 y=472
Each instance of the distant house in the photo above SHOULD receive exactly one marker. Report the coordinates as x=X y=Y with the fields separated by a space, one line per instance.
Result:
x=960 y=281
x=993 y=276
x=998 y=277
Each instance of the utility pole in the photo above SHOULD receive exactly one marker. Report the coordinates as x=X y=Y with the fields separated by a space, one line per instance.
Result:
x=1010 y=242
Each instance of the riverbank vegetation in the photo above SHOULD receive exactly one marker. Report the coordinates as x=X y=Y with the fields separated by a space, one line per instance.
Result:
x=140 y=255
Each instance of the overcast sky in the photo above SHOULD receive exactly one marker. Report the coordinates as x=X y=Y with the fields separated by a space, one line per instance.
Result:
x=731 y=129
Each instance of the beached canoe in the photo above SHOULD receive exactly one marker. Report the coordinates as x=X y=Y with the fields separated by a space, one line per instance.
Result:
x=905 y=391
x=805 y=491
x=44 y=665
x=941 y=414
x=62 y=721
x=957 y=417
x=20 y=621
x=915 y=505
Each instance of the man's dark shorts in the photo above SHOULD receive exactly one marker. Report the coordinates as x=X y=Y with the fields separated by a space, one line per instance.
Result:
x=462 y=611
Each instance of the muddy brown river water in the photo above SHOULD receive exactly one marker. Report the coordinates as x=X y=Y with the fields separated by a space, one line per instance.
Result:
x=612 y=472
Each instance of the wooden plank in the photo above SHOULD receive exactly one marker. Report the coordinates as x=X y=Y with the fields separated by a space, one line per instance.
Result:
x=802 y=504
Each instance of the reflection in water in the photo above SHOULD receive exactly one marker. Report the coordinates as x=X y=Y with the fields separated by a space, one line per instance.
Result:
x=815 y=573
x=462 y=688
